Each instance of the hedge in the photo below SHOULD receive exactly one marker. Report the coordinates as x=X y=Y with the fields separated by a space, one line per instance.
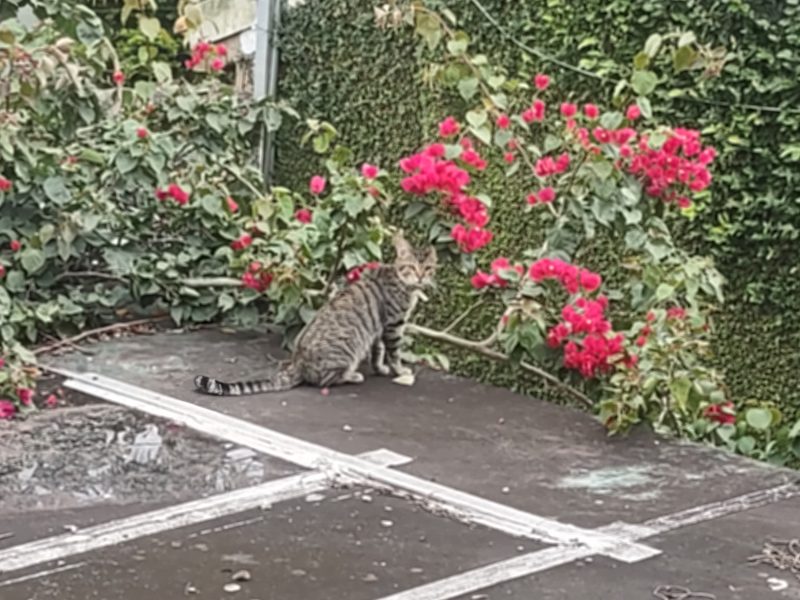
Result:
x=337 y=65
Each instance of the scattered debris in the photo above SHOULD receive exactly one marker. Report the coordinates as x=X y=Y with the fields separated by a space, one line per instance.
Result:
x=189 y=589
x=781 y=554
x=674 y=592
x=777 y=585
x=506 y=490
x=299 y=573
x=315 y=498
x=366 y=498
x=242 y=575
x=406 y=379
x=176 y=544
x=232 y=588
x=387 y=523
x=71 y=528
x=347 y=428
x=370 y=578
x=5 y=536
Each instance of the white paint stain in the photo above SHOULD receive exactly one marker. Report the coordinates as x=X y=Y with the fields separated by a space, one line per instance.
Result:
x=615 y=481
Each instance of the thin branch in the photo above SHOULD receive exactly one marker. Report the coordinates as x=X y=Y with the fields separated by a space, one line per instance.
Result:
x=464 y=315
x=203 y=282
x=117 y=67
x=89 y=275
x=256 y=192
x=336 y=262
x=99 y=331
x=481 y=348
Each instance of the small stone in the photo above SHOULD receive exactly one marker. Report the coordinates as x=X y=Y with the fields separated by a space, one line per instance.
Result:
x=501 y=420
x=479 y=597
x=298 y=573
x=520 y=548
x=71 y=528
x=417 y=570
x=201 y=547
x=232 y=588
x=423 y=538
x=176 y=544
x=242 y=575
x=366 y=498
x=386 y=523
x=315 y=498
x=506 y=490
x=370 y=578
x=347 y=428
x=266 y=506
x=325 y=391
x=189 y=589
x=388 y=508
x=284 y=403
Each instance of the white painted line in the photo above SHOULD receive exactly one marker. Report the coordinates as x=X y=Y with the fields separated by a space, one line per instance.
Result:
x=40 y=574
x=493 y=574
x=535 y=562
x=460 y=505
x=189 y=513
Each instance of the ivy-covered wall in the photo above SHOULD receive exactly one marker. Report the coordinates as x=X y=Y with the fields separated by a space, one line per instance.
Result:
x=337 y=65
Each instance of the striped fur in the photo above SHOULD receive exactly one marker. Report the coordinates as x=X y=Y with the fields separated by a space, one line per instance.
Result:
x=364 y=319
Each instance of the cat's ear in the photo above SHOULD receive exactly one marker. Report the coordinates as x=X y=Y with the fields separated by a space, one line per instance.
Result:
x=402 y=247
x=431 y=257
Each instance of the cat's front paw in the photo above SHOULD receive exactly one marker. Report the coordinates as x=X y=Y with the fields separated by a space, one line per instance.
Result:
x=383 y=370
x=401 y=370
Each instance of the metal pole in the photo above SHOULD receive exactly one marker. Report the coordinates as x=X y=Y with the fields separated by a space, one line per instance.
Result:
x=265 y=74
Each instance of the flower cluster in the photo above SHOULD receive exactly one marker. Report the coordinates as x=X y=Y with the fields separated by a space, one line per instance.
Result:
x=213 y=54
x=174 y=191
x=571 y=277
x=5 y=184
x=724 y=414
x=257 y=278
x=481 y=280
x=354 y=274
x=680 y=164
x=429 y=172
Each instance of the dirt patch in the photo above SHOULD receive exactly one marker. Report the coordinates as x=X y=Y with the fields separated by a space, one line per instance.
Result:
x=102 y=454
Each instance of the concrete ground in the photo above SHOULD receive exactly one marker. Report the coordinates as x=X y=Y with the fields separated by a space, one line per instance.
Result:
x=524 y=489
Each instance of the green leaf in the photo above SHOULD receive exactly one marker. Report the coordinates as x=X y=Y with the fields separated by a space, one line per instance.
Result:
x=641 y=61
x=795 y=431
x=477 y=118
x=653 y=45
x=644 y=82
x=354 y=205
x=15 y=281
x=468 y=87
x=746 y=445
x=683 y=58
x=458 y=46
x=644 y=106
x=161 y=71
x=125 y=163
x=664 y=291
x=149 y=26
x=32 y=260
x=687 y=38
x=759 y=418
x=428 y=28
x=484 y=134
x=56 y=190
x=679 y=388
x=635 y=238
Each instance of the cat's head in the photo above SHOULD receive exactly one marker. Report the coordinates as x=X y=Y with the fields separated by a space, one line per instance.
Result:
x=416 y=267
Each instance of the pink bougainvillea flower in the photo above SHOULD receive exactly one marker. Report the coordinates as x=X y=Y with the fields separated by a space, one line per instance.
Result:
x=633 y=112
x=25 y=396
x=509 y=157
x=178 y=194
x=591 y=111
x=724 y=414
x=2 y=274
x=243 y=242
x=503 y=121
x=7 y=409
x=218 y=64
x=231 y=204
x=532 y=199
x=15 y=245
x=118 y=77
x=303 y=215
x=142 y=133
x=568 y=110
x=369 y=171
x=546 y=195
x=676 y=312
x=255 y=266
x=449 y=127
x=220 y=50
x=541 y=81
x=317 y=185
x=51 y=401
x=684 y=202
x=481 y=280
x=5 y=184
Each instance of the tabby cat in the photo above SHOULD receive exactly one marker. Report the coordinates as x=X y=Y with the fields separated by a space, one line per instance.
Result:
x=365 y=318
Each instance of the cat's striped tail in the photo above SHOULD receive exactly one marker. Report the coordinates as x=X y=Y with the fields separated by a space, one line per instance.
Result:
x=285 y=378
